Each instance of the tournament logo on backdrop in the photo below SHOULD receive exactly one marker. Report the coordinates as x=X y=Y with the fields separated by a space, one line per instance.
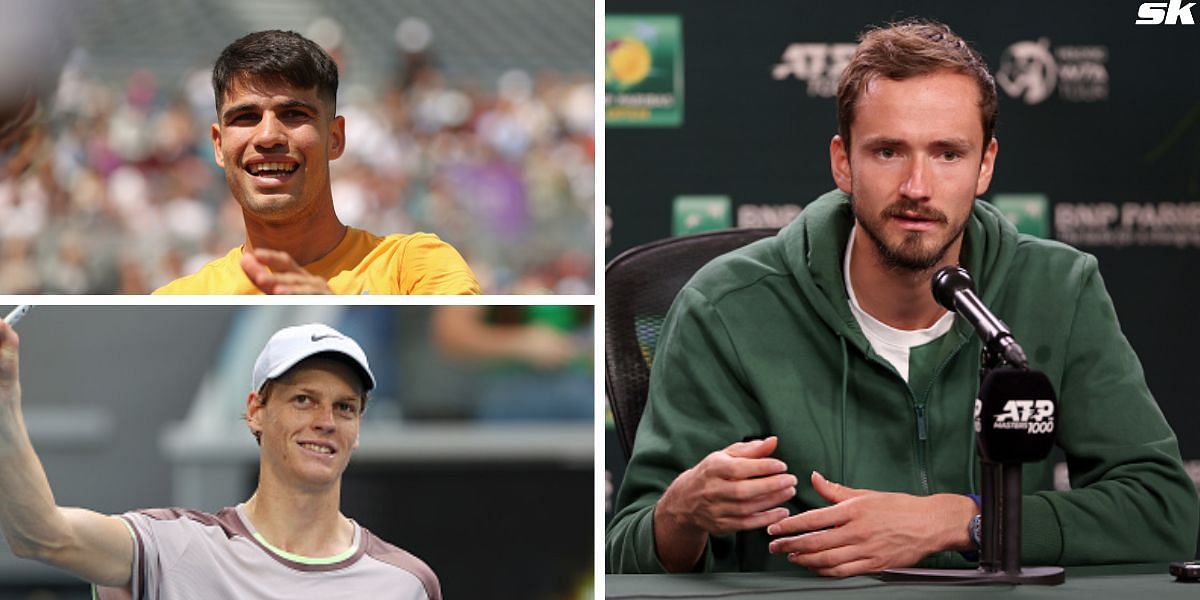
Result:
x=1119 y=225
x=1033 y=71
x=697 y=213
x=1030 y=213
x=643 y=71
x=818 y=65
x=767 y=215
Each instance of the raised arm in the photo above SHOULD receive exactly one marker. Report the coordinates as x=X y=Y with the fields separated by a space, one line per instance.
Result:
x=96 y=547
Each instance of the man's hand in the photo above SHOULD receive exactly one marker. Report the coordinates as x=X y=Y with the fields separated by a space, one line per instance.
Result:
x=733 y=489
x=275 y=272
x=866 y=531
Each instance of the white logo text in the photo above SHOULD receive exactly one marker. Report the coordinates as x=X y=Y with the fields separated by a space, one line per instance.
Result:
x=1165 y=13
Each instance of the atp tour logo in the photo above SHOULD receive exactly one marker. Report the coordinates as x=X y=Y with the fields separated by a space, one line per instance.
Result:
x=820 y=65
x=1165 y=13
x=1033 y=71
x=1034 y=416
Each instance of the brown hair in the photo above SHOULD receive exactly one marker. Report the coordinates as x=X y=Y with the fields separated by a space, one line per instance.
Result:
x=908 y=49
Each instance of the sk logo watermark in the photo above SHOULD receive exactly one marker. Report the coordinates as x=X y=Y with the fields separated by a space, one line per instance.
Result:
x=1165 y=13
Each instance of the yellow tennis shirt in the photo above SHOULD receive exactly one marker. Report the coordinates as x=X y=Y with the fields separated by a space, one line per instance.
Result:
x=361 y=263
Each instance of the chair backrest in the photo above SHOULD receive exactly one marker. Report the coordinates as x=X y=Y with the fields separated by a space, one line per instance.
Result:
x=639 y=287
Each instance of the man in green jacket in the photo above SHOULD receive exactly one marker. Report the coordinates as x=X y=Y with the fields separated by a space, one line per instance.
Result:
x=820 y=354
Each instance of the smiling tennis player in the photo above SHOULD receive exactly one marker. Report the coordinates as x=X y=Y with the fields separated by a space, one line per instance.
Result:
x=289 y=540
x=277 y=129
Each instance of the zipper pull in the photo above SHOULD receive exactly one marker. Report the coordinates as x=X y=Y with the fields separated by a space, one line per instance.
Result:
x=921 y=433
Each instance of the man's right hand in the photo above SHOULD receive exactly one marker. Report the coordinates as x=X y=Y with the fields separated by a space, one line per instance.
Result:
x=737 y=488
x=276 y=272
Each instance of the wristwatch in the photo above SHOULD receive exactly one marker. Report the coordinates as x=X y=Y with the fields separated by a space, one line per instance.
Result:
x=975 y=530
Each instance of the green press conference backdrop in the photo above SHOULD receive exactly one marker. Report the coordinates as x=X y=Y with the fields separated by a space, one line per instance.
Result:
x=1099 y=135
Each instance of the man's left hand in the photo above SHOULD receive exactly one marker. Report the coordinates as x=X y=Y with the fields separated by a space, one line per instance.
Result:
x=866 y=531
x=276 y=272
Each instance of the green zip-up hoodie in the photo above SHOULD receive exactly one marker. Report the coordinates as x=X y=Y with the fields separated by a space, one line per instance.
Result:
x=762 y=341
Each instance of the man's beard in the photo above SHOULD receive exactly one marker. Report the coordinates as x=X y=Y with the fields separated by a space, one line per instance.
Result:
x=908 y=255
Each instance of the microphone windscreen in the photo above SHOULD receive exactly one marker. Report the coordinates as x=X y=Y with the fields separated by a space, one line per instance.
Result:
x=1015 y=416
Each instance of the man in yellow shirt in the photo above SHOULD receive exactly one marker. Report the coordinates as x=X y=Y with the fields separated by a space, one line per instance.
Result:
x=275 y=134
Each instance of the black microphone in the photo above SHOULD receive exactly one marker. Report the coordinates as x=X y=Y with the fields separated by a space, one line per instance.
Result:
x=1014 y=424
x=1014 y=416
x=954 y=290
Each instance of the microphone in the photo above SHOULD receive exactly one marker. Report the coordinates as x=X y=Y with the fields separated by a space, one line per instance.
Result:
x=1014 y=416
x=1014 y=424
x=955 y=291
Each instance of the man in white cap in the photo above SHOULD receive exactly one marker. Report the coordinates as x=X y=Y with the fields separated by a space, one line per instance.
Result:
x=288 y=540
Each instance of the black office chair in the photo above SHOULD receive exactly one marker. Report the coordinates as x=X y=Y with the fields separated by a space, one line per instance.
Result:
x=640 y=286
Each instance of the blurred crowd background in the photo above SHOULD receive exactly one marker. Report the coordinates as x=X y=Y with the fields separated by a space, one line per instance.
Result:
x=469 y=119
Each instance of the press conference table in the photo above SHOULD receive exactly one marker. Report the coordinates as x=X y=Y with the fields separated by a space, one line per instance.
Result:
x=1147 y=582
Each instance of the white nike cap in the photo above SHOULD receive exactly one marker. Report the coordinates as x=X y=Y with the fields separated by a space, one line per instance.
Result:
x=291 y=345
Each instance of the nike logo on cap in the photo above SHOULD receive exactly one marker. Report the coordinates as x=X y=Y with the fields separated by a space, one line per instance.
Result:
x=317 y=338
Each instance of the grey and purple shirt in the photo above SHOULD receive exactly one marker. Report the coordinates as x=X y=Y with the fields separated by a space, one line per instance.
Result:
x=180 y=554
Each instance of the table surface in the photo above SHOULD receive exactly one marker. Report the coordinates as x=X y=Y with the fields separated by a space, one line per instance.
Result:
x=1144 y=582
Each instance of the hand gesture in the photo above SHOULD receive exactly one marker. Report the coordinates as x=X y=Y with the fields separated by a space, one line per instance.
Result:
x=737 y=488
x=275 y=272
x=866 y=531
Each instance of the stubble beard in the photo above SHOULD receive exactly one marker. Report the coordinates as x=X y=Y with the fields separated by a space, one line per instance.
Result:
x=275 y=206
x=907 y=256
x=279 y=208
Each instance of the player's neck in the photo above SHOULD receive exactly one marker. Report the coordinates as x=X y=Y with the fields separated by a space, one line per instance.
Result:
x=306 y=239
x=899 y=298
x=304 y=522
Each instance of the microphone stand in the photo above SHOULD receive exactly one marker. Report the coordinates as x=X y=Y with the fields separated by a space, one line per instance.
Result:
x=1000 y=497
x=1000 y=540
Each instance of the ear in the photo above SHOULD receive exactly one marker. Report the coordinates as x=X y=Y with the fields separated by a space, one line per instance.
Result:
x=986 y=166
x=839 y=164
x=216 y=141
x=337 y=137
x=254 y=407
x=355 y=446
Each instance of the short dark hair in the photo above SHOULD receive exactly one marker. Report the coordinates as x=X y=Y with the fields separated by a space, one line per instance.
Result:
x=907 y=49
x=276 y=57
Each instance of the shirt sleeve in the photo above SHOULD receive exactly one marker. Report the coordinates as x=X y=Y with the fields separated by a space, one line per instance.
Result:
x=1131 y=499
x=148 y=547
x=698 y=403
x=430 y=266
